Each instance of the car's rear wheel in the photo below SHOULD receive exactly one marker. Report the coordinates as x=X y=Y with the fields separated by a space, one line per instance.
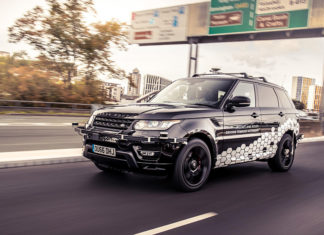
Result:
x=285 y=155
x=193 y=166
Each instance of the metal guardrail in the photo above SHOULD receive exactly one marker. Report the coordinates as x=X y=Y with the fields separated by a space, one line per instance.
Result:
x=64 y=107
x=24 y=105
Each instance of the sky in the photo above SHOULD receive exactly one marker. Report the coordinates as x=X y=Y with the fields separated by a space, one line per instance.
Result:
x=277 y=60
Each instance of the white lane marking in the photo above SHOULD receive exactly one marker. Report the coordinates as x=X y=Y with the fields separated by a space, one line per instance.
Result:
x=36 y=124
x=312 y=139
x=178 y=224
x=39 y=154
x=33 y=143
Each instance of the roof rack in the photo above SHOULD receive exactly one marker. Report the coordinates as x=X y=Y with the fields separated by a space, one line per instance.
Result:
x=260 y=78
x=215 y=71
x=238 y=75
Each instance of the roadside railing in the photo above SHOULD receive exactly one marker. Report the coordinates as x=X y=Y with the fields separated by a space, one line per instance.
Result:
x=27 y=105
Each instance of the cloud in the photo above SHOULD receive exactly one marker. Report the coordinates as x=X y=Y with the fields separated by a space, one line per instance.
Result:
x=254 y=61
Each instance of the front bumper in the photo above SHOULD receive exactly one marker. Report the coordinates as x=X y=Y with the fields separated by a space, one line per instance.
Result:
x=299 y=138
x=129 y=150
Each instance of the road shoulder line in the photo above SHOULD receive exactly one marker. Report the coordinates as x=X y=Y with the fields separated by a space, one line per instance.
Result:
x=178 y=224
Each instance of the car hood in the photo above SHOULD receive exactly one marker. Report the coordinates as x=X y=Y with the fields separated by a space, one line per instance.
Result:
x=163 y=111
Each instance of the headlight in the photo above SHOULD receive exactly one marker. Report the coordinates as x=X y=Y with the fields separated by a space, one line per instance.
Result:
x=155 y=125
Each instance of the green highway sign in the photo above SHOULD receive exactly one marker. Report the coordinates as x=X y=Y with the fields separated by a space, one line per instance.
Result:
x=239 y=16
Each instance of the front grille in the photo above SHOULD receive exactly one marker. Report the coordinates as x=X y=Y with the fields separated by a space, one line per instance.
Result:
x=119 y=121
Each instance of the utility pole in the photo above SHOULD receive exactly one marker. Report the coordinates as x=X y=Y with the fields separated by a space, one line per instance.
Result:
x=193 y=56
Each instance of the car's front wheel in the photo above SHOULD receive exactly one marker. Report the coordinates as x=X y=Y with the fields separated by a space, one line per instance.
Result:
x=285 y=155
x=193 y=166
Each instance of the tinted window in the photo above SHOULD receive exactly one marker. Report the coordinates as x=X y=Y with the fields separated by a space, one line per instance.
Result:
x=283 y=98
x=245 y=89
x=267 y=97
x=194 y=91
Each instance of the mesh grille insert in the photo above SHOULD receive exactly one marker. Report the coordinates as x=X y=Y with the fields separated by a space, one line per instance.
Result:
x=119 y=121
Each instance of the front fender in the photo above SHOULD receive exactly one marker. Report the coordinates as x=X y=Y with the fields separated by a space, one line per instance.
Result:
x=206 y=129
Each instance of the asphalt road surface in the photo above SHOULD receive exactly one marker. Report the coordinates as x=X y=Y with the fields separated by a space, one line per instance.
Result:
x=23 y=133
x=76 y=198
x=38 y=138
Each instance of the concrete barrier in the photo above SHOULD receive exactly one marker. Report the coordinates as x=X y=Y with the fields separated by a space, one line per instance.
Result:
x=310 y=128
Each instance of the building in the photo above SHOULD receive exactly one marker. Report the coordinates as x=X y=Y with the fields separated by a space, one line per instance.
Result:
x=322 y=104
x=134 y=83
x=314 y=98
x=300 y=88
x=4 y=54
x=113 y=91
x=154 y=83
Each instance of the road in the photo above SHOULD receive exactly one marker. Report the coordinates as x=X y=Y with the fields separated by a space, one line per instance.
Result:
x=76 y=198
x=23 y=133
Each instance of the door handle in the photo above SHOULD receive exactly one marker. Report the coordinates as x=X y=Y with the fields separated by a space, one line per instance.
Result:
x=255 y=115
x=281 y=114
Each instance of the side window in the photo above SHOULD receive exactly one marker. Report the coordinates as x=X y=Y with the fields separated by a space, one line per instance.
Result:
x=267 y=97
x=245 y=89
x=284 y=100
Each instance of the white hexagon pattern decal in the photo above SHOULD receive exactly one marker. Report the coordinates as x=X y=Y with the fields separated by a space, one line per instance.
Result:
x=264 y=147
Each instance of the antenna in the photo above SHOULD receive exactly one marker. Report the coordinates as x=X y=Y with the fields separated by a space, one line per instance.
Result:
x=214 y=70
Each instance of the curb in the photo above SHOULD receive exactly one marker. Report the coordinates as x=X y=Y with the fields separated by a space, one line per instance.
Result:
x=40 y=162
x=312 y=139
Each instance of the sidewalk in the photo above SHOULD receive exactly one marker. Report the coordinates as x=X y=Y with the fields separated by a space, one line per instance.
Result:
x=40 y=157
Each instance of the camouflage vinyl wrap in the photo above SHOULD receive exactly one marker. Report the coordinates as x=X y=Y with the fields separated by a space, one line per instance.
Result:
x=264 y=147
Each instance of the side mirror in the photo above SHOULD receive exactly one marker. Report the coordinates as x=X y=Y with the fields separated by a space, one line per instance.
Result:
x=238 y=101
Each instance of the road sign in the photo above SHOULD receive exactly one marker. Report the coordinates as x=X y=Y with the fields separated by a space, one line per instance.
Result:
x=239 y=16
x=160 y=25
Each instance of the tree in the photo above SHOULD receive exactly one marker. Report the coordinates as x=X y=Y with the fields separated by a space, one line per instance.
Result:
x=66 y=44
x=6 y=64
x=23 y=79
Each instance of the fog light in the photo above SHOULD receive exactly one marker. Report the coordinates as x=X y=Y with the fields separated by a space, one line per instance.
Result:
x=147 y=153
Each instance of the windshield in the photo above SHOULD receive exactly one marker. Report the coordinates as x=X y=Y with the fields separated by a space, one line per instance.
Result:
x=209 y=92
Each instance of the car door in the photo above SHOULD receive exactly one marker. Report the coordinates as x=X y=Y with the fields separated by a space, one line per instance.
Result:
x=271 y=118
x=287 y=112
x=241 y=127
x=287 y=108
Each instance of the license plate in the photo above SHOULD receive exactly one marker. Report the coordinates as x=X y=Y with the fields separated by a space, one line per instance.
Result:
x=104 y=150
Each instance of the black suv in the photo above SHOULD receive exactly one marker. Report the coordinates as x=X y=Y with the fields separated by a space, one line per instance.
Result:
x=194 y=125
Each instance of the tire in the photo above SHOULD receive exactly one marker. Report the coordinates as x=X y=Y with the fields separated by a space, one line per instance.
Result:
x=285 y=155
x=193 y=166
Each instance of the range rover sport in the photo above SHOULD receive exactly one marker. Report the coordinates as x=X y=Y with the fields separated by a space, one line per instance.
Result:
x=194 y=125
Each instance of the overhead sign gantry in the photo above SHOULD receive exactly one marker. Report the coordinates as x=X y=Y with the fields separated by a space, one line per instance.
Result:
x=250 y=16
x=160 y=25
x=219 y=21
